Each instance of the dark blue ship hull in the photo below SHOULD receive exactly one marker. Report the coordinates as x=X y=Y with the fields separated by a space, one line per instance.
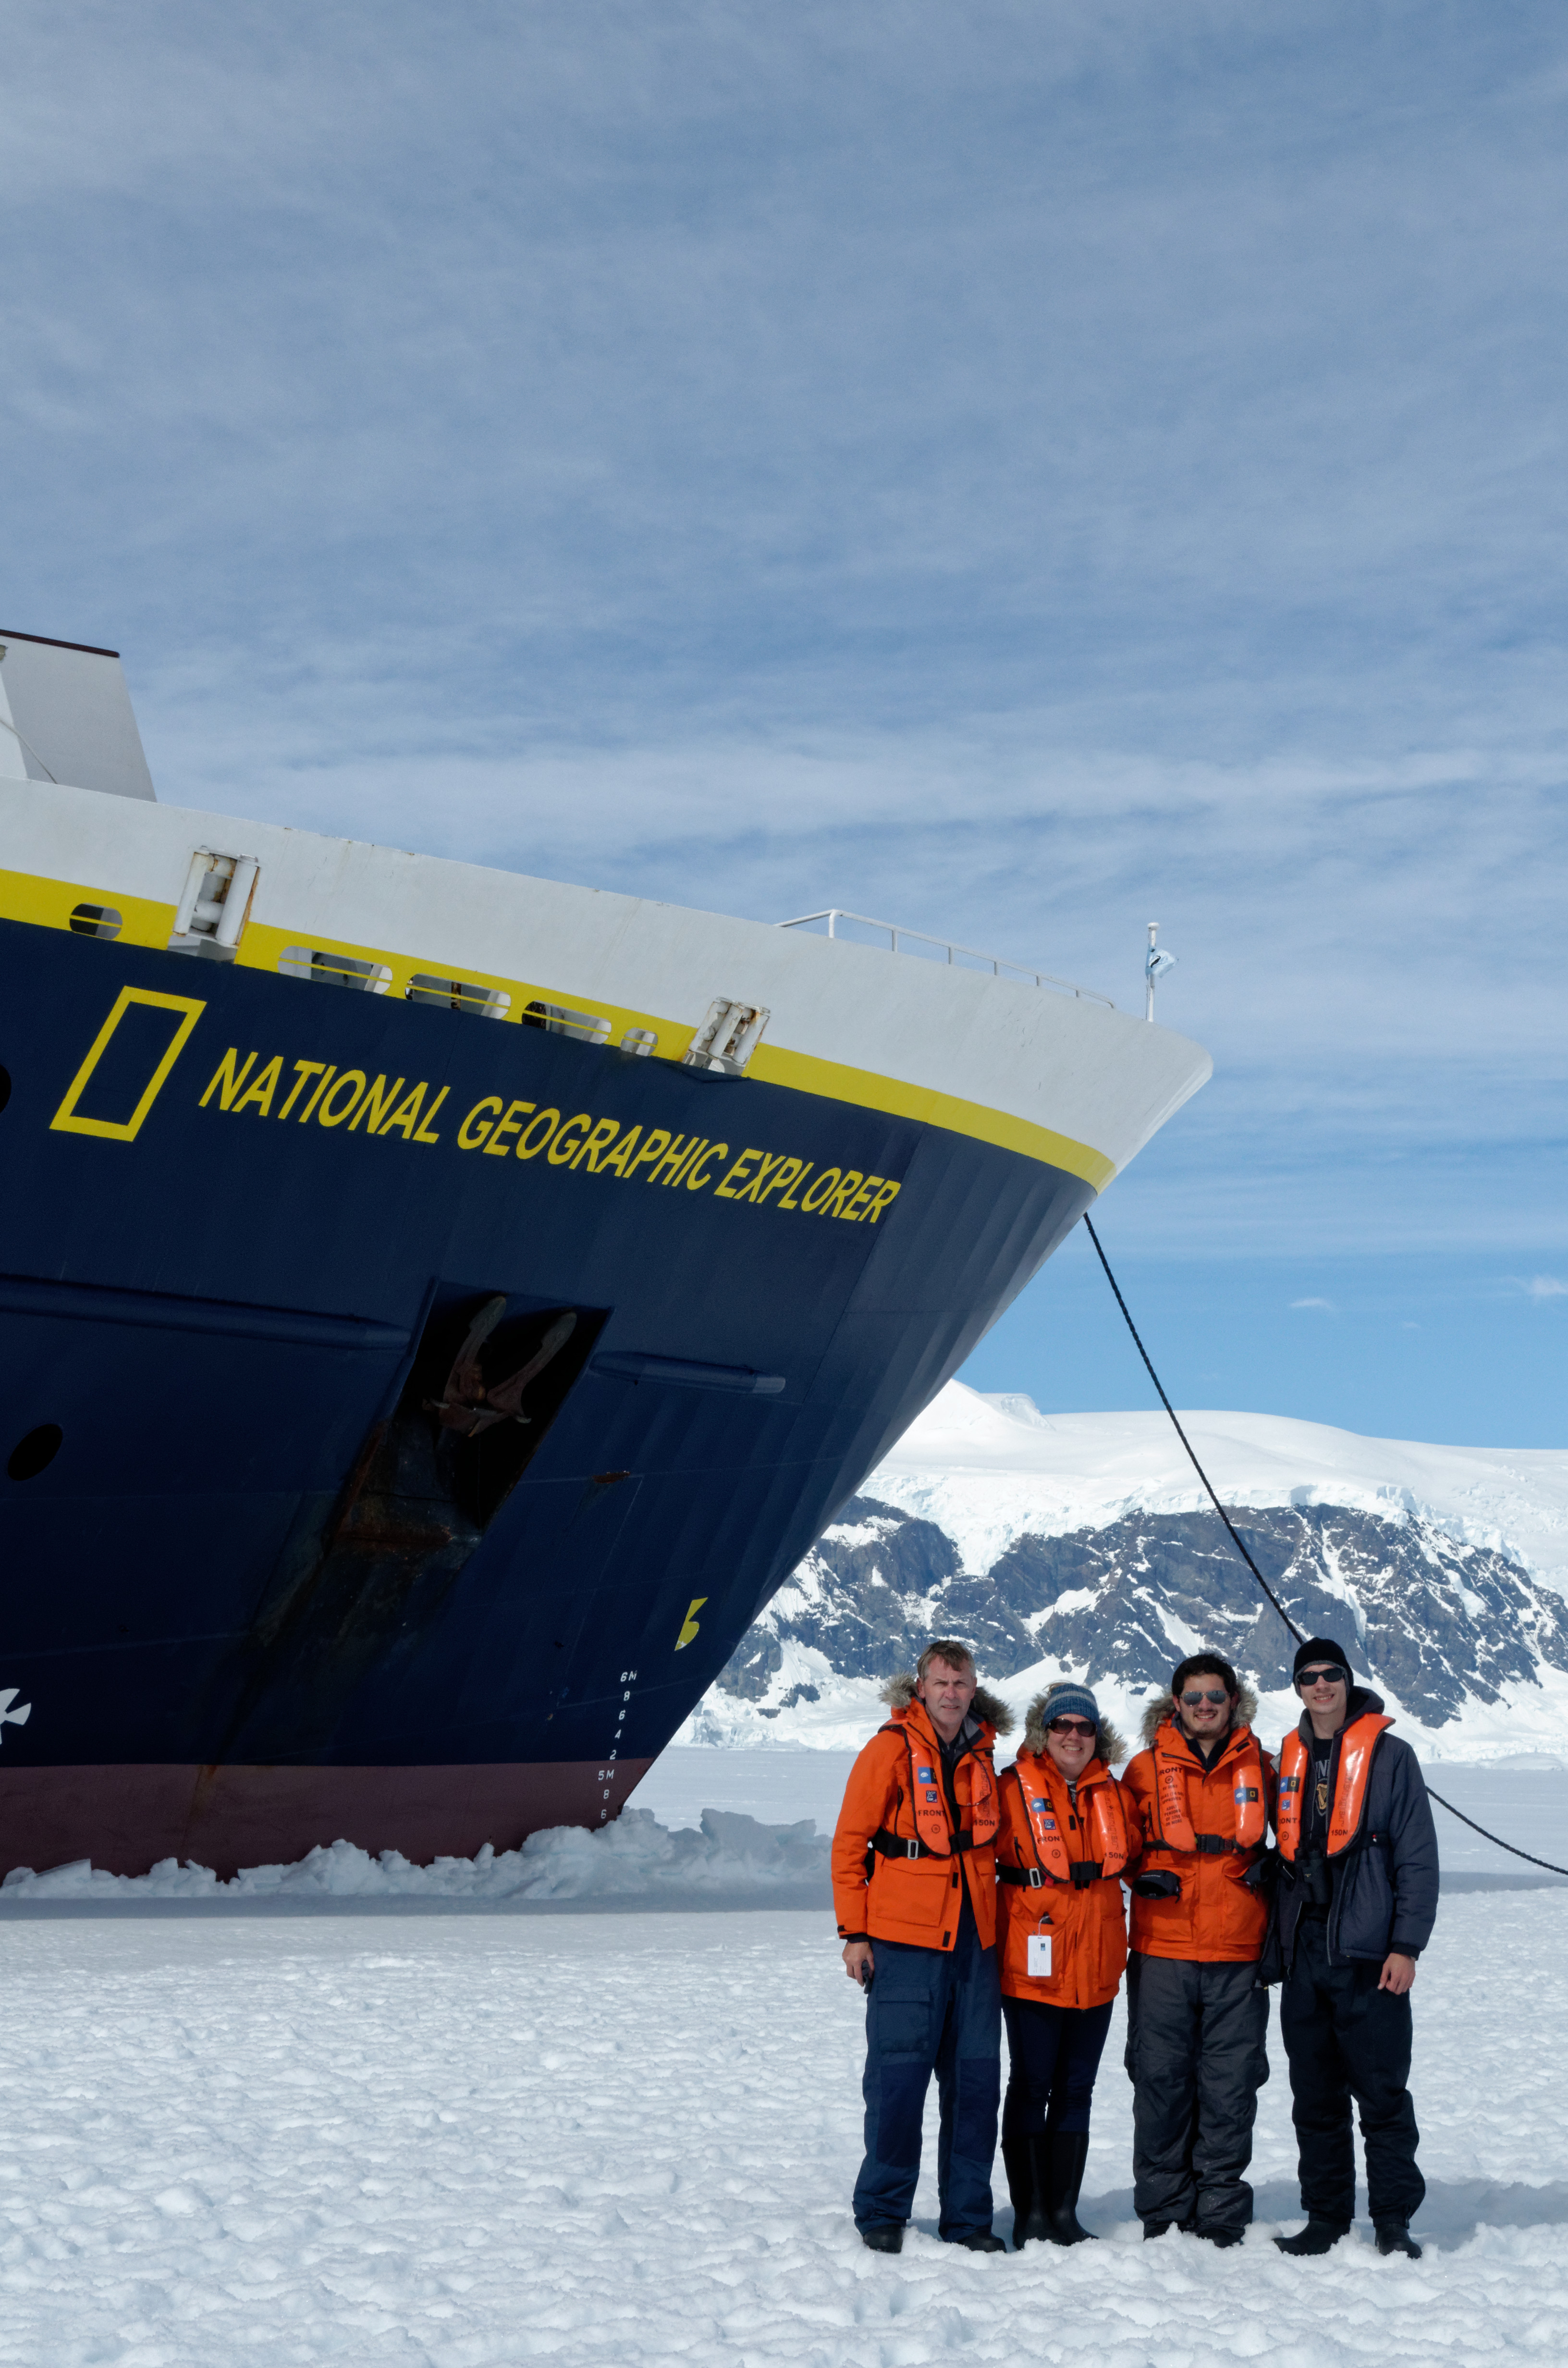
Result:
x=256 y=1594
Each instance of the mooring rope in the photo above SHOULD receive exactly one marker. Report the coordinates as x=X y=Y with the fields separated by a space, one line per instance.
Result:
x=1241 y=1549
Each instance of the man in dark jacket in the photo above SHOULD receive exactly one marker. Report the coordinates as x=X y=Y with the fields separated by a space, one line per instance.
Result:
x=1356 y=1902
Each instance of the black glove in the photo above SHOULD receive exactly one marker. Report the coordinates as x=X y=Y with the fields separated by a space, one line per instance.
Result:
x=1263 y=1874
x=1160 y=1884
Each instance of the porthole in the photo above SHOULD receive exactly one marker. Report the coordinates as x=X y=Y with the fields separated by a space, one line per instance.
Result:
x=334 y=969
x=459 y=995
x=34 y=1453
x=95 y=921
x=586 y=1025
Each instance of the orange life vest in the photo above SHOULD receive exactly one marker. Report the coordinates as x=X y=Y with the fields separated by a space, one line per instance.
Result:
x=1104 y=1822
x=1351 y=1787
x=928 y=1801
x=1170 y=1795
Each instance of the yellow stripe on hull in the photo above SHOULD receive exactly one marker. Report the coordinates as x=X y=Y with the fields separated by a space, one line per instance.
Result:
x=48 y=904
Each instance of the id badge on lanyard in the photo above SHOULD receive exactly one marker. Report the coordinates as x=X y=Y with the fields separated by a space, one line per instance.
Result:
x=1040 y=1955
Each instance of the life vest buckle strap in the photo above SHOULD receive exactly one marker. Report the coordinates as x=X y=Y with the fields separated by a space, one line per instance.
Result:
x=1213 y=1845
x=900 y=1845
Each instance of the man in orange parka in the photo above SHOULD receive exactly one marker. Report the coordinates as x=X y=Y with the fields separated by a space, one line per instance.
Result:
x=914 y=1892
x=1200 y=1801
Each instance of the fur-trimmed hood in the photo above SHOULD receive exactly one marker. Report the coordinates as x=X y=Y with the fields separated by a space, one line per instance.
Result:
x=899 y=1692
x=1161 y=1706
x=1112 y=1749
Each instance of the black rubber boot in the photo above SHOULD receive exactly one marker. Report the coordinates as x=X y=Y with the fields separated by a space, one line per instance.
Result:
x=886 y=2237
x=1028 y=2207
x=1394 y=2237
x=1317 y=2237
x=1059 y=2159
x=977 y=2240
x=1223 y=2238
x=1153 y=2228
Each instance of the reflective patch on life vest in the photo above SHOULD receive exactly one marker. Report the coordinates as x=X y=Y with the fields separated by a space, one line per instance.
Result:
x=1289 y=1784
x=924 y=1775
x=930 y=1797
x=1244 y=1792
x=1048 y=1825
x=1037 y=1806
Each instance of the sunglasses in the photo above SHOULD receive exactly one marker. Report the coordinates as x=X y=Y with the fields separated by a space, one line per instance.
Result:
x=1321 y=1678
x=1213 y=1694
x=1072 y=1727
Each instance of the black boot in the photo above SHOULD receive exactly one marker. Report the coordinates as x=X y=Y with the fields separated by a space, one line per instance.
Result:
x=1059 y=2159
x=1029 y=2203
x=1394 y=2237
x=886 y=2236
x=977 y=2240
x=1317 y=2237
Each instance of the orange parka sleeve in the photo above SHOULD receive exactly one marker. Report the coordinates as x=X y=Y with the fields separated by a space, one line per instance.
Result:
x=1137 y=1790
x=869 y=1802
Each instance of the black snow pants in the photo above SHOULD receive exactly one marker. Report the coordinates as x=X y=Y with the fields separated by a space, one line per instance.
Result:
x=1196 y=2055
x=1346 y=2038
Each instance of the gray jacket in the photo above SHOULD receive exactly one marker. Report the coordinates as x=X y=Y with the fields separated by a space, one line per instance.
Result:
x=1384 y=1894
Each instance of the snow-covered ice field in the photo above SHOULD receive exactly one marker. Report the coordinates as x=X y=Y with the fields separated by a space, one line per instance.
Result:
x=629 y=2137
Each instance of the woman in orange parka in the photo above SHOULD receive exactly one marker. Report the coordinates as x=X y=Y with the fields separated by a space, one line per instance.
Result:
x=1063 y=1942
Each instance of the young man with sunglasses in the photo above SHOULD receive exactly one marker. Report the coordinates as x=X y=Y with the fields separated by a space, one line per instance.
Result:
x=1199 y=1800
x=1356 y=1903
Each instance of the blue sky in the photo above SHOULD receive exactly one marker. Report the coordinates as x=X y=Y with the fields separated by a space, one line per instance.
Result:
x=1021 y=469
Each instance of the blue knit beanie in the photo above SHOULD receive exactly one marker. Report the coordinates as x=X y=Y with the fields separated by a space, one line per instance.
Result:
x=1071 y=1702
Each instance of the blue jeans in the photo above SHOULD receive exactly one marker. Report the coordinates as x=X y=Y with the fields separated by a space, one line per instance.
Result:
x=931 y=2010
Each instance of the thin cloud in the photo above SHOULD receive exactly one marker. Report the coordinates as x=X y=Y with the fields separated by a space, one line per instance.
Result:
x=745 y=488
x=1327 y=1304
x=1546 y=1286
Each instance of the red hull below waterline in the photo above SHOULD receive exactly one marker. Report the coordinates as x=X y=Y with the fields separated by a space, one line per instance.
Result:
x=127 y=1818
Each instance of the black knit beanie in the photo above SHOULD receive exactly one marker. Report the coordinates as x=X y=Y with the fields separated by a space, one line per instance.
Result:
x=1318 y=1649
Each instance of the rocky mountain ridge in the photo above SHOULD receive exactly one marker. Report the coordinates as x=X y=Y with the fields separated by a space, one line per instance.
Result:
x=1458 y=1631
x=1433 y=1622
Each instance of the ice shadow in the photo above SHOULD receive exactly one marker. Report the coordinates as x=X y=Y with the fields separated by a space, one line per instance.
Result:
x=1457 y=1882
x=1454 y=2210
x=814 y=1894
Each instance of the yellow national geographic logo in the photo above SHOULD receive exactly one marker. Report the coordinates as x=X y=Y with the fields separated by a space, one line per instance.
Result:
x=66 y=1120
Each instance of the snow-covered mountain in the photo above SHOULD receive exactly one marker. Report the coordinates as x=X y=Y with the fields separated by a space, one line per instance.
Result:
x=1083 y=1543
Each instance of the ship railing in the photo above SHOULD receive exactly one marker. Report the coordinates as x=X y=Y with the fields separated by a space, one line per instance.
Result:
x=903 y=941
